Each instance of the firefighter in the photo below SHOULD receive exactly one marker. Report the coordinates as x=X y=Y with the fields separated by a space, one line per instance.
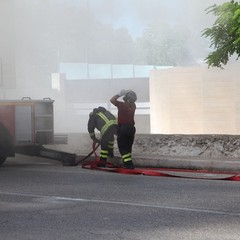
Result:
x=126 y=124
x=106 y=123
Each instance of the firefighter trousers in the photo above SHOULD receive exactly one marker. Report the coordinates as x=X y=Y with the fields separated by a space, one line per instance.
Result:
x=107 y=143
x=125 y=139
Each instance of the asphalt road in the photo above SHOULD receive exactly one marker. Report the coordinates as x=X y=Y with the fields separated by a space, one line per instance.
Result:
x=42 y=200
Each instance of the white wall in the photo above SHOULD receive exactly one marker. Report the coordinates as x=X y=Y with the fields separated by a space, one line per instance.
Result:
x=195 y=100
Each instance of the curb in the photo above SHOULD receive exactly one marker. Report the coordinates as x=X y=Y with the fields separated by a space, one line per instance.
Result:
x=189 y=163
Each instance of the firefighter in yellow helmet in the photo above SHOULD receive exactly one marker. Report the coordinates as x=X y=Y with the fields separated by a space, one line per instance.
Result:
x=106 y=123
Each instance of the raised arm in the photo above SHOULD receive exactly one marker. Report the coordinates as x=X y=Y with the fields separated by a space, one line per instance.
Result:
x=114 y=99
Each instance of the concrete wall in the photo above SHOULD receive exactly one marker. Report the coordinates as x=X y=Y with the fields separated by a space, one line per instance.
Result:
x=163 y=146
x=203 y=146
x=195 y=100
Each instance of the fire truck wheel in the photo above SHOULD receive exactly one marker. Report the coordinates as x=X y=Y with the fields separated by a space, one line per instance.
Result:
x=3 y=157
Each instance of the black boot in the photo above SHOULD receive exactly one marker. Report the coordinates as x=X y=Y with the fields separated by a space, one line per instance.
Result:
x=128 y=165
x=102 y=163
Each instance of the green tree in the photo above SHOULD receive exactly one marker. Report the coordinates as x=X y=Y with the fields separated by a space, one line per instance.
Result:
x=224 y=34
x=167 y=45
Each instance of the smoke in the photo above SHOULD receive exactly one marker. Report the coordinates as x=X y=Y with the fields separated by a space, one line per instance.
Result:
x=136 y=15
x=39 y=35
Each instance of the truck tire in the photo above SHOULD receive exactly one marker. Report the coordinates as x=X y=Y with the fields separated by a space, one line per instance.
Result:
x=3 y=157
x=6 y=144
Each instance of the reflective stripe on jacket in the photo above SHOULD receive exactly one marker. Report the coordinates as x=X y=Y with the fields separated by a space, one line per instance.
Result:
x=100 y=119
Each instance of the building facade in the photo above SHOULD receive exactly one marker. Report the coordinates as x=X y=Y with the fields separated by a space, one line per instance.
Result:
x=195 y=100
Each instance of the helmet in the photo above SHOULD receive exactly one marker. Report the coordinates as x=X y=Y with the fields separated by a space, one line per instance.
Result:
x=97 y=110
x=130 y=96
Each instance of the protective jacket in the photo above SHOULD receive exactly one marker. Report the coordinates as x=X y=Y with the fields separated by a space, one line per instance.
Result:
x=102 y=120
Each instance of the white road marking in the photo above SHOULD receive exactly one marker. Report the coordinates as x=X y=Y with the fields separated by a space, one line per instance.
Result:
x=69 y=199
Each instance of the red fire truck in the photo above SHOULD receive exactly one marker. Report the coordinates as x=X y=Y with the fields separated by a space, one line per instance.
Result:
x=25 y=126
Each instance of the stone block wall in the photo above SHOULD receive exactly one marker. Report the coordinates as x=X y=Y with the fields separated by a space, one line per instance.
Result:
x=201 y=146
x=165 y=145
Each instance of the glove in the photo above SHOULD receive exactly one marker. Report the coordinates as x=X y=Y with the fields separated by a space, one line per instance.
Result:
x=122 y=93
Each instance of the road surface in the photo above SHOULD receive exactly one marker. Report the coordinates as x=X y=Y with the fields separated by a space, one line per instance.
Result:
x=41 y=199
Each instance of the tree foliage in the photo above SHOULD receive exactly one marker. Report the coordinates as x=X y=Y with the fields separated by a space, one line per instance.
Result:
x=224 y=34
x=50 y=32
x=166 y=45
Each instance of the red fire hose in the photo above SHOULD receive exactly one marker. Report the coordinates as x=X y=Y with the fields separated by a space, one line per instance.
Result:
x=160 y=172
x=94 y=148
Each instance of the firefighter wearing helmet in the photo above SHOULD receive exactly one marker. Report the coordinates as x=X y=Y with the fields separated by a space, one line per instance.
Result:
x=130 y=97
x=105 y=122
x=126 y=124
